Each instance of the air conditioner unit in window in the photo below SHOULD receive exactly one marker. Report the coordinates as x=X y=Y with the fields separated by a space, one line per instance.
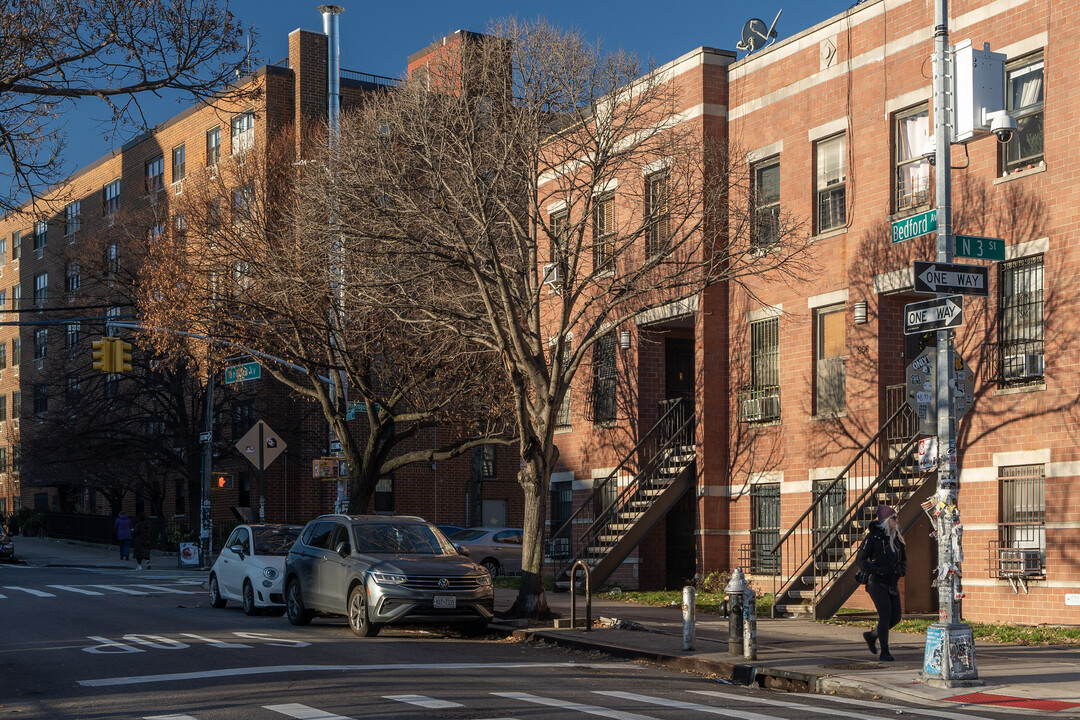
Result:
x=751 y=410
x=178 y=187
x=1022 y=366
x=553 y=274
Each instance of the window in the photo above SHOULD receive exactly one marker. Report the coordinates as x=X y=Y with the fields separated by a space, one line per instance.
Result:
x=1021 y=320
x=155 y=175
x=560 y=223
x=1022 y=522
x=657 y=213
x=3 y=251
x=41 y=343
x=604 y=406
x=562 y=507
x=213 y=146
x=3 y=356
x=1024 y=90
x=384 y=494
x=3 y=460
x=243 y=204
x=831 y=509
x=41 y=289
x=112 y=258
x=16 y=245
x=16 y=297
x=72 y=217
x=179 y=163
x=3 y=407
x=765 y=187
x=829 y=356
x=487 y=462
x=72 y=338
x=760 y=400
x=563 y=418
x=3 y=303
x=912 y=128
x=73 y=276
x=72 y=391
x=243 y=417
x=110 y=199
x=180 y=224
x=155 y=232
x=604 y=234
x=41 y=234
x=16 y=405
x=764 y=527
x=831 y=188
x=243 y=132
x=41 y=399
x=16 y=351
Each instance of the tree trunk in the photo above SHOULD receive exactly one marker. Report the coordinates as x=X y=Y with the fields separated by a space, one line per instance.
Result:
x=531 y=601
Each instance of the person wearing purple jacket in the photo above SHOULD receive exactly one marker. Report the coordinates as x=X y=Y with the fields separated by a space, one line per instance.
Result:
x=122 y=528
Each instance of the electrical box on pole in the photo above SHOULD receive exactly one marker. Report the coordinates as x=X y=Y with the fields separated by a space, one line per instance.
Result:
x=979 y=89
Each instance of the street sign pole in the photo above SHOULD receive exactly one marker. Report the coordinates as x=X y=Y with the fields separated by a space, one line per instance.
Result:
x=206 y=526
x=262 y=467
x=949 y=658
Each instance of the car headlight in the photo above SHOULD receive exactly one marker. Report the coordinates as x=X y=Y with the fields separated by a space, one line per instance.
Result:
x=483 y=580
x=270 y=573
x=389 y=578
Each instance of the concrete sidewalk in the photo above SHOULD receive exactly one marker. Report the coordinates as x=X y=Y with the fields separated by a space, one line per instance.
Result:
x=47 y=552
x=808 y=656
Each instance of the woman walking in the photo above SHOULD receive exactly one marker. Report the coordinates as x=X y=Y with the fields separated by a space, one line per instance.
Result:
x=141 y=538
x=884 y=557
x=122 y=529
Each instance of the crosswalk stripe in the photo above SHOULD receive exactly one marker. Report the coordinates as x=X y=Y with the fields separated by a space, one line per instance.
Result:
x=3 y=597
x=159 y=588
x=424 y=701
x=117 y=588
x=830 y=711
x=303 y=712
x=681 y=705
x=169 y=717
x=567 y=705
x=914 y=709
x=31 y=591
x=73 y=589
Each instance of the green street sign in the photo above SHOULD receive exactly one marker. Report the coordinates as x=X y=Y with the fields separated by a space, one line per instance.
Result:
x=240 y=373
x=980 y=248
x=914 y=226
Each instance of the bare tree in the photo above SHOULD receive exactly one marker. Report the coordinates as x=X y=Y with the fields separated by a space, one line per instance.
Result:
x=477 y=197
x=56 y=52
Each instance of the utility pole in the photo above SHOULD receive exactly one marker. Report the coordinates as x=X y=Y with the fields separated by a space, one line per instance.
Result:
x=206 y=526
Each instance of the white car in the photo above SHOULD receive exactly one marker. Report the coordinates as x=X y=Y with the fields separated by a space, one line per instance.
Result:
x=496 y=549
x=251 y=566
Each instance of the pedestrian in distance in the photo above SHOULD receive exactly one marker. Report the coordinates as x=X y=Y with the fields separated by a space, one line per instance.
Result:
x=141 y=537
x=884 y=557
x=122 y=530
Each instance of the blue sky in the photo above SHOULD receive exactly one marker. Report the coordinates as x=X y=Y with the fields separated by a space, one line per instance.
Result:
x=377 y=37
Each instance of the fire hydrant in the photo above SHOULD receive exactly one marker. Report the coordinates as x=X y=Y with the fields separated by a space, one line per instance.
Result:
x=735 y=590
x=749 y=624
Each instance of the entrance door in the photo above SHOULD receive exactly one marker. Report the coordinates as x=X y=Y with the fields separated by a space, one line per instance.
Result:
x=678 y=368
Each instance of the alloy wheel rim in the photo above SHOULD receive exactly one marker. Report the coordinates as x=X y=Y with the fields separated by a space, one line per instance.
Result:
x=356 y=614
x=213 y=590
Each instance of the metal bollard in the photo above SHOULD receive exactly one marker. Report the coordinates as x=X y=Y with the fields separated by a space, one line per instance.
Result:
x=573 y=596
x=749 y=624
x=735 y=589
x=689 y=603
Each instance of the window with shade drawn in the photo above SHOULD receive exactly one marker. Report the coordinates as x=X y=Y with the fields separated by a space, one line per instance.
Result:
x=829 y=358
x=1024 y=96
x=911 y=130
x=831 y=183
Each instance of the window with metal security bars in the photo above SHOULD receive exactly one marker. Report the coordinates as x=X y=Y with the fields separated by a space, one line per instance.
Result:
x=760 y=400
x=1022 y=523
x=831 y=183
x=911 y=128
x=831 y=509
x=1024 y=94
x=764 y=527
x=604 y=234
x=1021 y=345
x=604 y=402
x=562 y=503
x=658 y=214
x=765 y=186
x=830 y=394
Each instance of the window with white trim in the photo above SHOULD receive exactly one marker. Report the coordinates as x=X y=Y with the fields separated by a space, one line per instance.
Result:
x=243 y=132
x=830 y=396
x=213 y=145
x=73 y=276
x=1021 y=322
x=912 y=181
x=831 y=191
x=110 y=199
x=657 y=214
x=1024 y=98
x=72 y=217
x=604 y=233
x=41 y=234
x=41 y=289
x=179 y=163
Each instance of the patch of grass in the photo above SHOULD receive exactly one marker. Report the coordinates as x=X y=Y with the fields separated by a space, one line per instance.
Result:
x=704 y=602
x=987 y=632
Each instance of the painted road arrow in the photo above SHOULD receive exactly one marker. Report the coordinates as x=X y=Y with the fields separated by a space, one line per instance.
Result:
x=937 y=277
x=936 y=314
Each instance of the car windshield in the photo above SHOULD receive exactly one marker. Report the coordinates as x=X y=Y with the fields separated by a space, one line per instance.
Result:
x=411 y=539
x=466 y=535
x=274 y=541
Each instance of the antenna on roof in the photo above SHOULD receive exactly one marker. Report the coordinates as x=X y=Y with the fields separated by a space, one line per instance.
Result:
x=755 y=36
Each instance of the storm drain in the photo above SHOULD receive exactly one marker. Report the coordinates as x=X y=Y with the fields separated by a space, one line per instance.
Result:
x=1010 y=701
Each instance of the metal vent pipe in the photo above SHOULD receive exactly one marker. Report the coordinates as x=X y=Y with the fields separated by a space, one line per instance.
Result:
x=333 y=65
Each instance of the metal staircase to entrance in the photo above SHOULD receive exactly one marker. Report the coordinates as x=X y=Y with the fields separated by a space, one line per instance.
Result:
x=814 y=559
x=618 y=517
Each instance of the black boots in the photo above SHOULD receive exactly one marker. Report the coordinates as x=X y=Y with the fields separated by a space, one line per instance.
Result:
x=871 y=641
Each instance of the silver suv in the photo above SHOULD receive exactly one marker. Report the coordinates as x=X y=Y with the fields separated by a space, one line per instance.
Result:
x=378 y=570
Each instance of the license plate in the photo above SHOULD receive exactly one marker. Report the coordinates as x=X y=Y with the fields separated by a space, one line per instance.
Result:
x=445 y=602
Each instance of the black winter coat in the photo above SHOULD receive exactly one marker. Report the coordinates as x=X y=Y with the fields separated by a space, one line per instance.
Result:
x=885 y=565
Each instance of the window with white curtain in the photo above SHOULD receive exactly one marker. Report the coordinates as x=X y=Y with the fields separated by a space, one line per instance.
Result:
x=912 y=130
x=1024 y=88
x=831 y=187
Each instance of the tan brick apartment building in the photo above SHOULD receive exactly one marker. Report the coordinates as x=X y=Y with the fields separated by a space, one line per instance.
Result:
x=62 y=266
x=797 y=386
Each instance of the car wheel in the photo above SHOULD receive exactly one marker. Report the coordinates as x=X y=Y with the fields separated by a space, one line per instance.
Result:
x=216 y=601
x=491 y=565
x=249 y=599
x=358 y=617
x=294 y=605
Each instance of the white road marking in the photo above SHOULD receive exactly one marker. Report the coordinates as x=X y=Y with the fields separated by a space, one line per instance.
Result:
x=158 y=588
x=568 y=705
x=169 y=717
x=831 y=712
x=119 y=589
x=273 y=669
x=3 y=597
x=71 y=588
x=424 y=701
x=680 y=705
x=31 y=591
x=908 y=709
x=303 y=712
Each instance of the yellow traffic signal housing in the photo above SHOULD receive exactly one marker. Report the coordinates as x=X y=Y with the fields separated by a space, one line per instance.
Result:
x=121 y=352
x=103 y=355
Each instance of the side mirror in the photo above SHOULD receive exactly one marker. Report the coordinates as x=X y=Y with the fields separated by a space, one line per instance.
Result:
x=342 y=549
x=238 y=549
x=462 y=550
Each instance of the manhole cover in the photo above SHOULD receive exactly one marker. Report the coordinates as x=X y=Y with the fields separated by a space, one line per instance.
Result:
x=854 y=666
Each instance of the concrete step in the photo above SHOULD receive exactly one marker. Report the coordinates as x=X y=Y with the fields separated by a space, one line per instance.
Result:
x=789 y=610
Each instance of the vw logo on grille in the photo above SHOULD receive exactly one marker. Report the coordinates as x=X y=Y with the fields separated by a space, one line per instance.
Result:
x=443 y=583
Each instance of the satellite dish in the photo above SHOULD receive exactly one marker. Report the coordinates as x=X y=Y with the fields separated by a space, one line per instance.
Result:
x=755 y=35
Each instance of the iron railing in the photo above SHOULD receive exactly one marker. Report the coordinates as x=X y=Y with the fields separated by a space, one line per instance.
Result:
x=380 y=80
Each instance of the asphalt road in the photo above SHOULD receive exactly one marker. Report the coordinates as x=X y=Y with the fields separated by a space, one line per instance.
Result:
x=97 y=644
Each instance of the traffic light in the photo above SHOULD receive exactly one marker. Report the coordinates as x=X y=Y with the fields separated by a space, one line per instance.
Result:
x=103 y=355
x=121 y=355
x=223 y=481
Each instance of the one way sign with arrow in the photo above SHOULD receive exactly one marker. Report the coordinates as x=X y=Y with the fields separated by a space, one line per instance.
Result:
x=937 y=277
x=936 y=314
